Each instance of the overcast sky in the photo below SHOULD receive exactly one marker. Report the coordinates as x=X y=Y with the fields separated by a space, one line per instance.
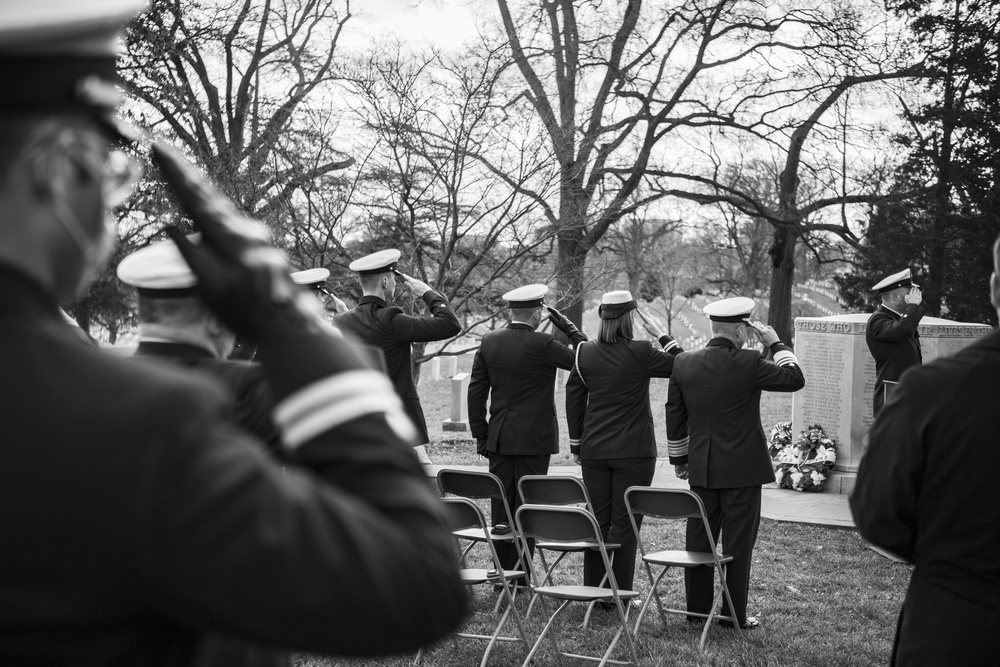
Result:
x=446 y=23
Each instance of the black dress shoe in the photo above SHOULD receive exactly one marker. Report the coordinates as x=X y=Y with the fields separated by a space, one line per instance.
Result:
x=751 y=623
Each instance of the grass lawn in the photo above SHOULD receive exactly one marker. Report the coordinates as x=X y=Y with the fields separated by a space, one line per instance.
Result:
x=822 y=596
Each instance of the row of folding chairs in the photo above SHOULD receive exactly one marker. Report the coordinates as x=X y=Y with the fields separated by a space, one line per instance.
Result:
x=556 y=513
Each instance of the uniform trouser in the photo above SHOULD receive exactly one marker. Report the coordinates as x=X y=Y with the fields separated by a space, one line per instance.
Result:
x=510 y=469
x=937 y=627
x=737 y=513
x=606 y=481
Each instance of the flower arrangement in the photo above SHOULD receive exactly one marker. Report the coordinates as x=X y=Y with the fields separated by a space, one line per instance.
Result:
x=781 y=437
x=802 y=465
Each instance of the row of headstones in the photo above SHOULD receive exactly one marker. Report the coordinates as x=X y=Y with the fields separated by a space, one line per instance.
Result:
x=824 y=287
x=815 y=304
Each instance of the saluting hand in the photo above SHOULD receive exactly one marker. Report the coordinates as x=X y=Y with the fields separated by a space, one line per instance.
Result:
x=768 y=336
x=651 y=326
x=559 y=320
x=914 y=295
x=417 y=287
x=338 y=304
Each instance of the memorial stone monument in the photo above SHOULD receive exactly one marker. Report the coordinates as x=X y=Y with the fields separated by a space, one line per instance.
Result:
x=840 y=378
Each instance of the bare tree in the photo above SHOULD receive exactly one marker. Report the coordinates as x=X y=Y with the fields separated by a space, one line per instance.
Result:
x=226 y=81
x=461 y=228
x=612 y=82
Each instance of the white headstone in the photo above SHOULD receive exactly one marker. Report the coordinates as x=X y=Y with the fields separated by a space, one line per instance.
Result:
x=459 y=420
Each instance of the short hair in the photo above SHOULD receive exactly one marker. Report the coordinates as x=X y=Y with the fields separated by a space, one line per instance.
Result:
x=524 y=314
x=370 y=281
x=726 y=329
x=176 y=311
x=615 y=328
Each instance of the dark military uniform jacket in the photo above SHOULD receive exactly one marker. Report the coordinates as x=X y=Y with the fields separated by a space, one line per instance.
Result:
x=245 y=383
x=515 y=368
x=607 y=397
x=927 y=486
x=713 y=412
x=376 y=323
x=895 y=344
x=135 y=515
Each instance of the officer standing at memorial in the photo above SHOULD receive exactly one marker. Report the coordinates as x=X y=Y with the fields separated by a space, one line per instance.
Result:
x=374 y=322
x=716 y=442
x=515 y=371
x=891 y=332
x=136 y=516
x=175 y=324
x=927 y=492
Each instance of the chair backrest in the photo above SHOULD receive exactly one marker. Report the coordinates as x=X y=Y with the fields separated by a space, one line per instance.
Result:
x=663 y=503
x=553 y=490
x=550 y=523
x=463 y=514
x=470 y=484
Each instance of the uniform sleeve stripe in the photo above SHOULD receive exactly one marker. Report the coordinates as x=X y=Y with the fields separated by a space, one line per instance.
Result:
x=333 y=401
x=784 y=357
x=311 y=425
x=669 y=346
x=678 y=447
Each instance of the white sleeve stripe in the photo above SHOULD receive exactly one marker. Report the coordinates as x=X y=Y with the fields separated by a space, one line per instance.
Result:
x=669 y=346
x=783 y=357
x=309 y=426
x=678 y=447
x=325 y=391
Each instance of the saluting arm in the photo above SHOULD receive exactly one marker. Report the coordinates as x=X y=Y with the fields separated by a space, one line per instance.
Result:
x=889 y=329
x=442 y=322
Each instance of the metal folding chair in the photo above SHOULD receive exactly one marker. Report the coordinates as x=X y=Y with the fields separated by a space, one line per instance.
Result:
x=676 y=504
x=478 y=485
x=465 y=515
x=557 y=490
x=546 y=523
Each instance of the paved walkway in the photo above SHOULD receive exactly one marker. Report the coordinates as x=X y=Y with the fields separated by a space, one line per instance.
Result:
x=826 y=509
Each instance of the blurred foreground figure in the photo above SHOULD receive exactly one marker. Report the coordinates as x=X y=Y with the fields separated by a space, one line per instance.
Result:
x=926 y=492
x=135 y=516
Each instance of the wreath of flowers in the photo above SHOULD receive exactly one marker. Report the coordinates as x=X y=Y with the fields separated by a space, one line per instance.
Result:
x=805 y=464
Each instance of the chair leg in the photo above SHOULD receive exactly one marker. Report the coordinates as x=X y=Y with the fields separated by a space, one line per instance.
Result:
x=546 y=578
x=653 y=584
x=546 y=633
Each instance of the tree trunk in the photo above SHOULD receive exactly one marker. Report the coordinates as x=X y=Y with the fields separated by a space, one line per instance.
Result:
x=569 y=278
x=782 y=254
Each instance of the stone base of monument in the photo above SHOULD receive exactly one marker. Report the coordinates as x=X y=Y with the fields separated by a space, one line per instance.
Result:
x=840 y=481
x=449 y=425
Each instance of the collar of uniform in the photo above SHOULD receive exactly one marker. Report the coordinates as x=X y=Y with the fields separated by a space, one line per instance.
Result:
x=897 y=314
x=164 y=348
x=370 y=298
x=519 y=325
x=720 y=342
